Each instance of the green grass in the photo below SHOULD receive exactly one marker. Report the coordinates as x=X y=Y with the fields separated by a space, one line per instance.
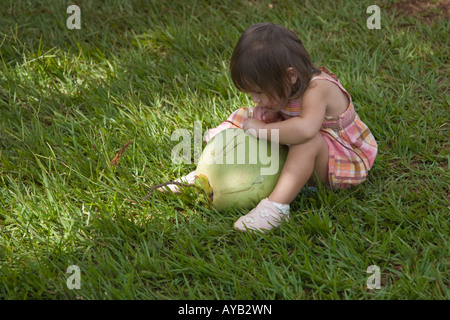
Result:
x=138 y=70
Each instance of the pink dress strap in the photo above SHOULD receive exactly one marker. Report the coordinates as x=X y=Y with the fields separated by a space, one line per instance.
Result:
x=336 y=82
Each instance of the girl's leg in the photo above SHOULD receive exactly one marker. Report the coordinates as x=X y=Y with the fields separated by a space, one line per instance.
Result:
x=305 y=162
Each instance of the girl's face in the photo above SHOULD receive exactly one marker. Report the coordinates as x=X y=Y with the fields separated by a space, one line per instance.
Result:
x=263 y=101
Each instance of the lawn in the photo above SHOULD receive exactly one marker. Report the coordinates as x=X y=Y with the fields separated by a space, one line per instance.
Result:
x=136 y=71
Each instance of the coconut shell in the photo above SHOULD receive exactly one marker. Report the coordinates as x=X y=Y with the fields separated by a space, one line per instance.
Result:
x=237 y=170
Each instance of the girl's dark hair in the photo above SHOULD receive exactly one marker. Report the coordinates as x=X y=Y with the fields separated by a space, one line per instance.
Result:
x=261 y=58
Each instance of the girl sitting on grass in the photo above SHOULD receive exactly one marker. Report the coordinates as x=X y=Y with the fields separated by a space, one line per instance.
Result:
x=313 y=113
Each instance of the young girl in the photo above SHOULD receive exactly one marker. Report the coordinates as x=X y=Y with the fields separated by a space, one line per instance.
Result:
x=313 y=113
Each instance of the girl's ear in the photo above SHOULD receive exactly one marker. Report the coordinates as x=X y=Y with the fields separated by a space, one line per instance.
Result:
x=292 y=75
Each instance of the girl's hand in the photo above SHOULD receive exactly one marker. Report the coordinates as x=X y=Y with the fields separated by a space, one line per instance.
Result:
x=265 y=115
x=254 y=125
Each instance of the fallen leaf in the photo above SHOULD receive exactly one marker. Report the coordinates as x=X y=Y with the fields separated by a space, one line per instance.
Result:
x=115 y=161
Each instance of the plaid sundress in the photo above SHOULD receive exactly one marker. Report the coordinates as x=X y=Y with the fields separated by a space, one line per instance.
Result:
x=352 y=147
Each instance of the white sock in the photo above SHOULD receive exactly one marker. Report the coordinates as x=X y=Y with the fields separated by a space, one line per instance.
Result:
x=283 y=208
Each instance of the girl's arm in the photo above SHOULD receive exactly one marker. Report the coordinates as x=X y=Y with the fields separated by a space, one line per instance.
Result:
x=297 y=130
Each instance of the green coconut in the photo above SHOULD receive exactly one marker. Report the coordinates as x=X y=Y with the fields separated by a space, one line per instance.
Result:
x=238 y=170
